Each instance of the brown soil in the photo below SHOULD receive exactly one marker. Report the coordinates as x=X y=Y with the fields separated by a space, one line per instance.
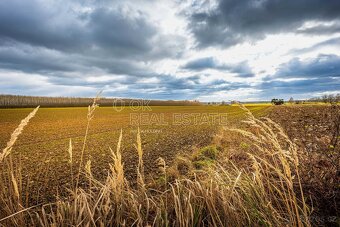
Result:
x=316 y=130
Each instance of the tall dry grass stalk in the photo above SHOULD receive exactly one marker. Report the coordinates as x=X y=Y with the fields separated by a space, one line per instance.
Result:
x=224 y=194
x=140 y=169
x=117 y=179
x=7 y=150
x=70 y=153
x=90 y=115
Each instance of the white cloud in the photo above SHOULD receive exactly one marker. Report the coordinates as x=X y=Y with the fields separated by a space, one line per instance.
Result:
x=246 y=94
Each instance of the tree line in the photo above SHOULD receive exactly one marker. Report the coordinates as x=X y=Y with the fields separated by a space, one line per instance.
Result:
x=18 y=101
x=335 y=98
x=332 y=99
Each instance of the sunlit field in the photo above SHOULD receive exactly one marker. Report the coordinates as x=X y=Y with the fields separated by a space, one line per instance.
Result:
x=42 y=147
x=169 y=165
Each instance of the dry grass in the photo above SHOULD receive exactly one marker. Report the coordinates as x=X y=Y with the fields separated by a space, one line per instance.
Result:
x=223 y=194
x=90 y=115
x=7 y=150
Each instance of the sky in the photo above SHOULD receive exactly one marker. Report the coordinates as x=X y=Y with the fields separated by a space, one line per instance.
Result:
x=171 y=49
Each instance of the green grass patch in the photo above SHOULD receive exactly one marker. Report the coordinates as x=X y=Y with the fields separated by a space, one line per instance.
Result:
x=205 y=157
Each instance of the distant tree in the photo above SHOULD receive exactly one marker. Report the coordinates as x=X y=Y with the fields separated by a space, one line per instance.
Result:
x=277 y=101
x=324 y=98
x=291 y=100
x=327 y=99
x=330 y=98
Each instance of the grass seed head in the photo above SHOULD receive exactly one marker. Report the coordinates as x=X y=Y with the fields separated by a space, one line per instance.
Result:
x=70 y=153
x=7 y=150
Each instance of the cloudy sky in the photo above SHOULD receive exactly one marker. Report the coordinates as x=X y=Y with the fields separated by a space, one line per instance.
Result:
x=170 y=49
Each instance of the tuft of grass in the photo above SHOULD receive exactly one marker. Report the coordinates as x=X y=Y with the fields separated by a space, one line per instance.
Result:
x=200 y=164
x=205 y=157
x=209 y=152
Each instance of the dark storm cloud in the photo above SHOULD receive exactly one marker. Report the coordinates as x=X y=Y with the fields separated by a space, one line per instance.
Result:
x=37 y=24
x=38 y=38
x=314 y=75
x=194 y=84
x=18 y=56
x=33 y=23
x=321 y=29
x=242 y=69
x=171 y=87
x=320 y=66
x=103 y=37
x=32 y=59
x=234 y=21
x=285 y=89
x=203 y=63
x=113 y=32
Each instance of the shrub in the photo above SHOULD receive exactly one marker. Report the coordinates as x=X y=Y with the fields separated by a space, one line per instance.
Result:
x=277 y=101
